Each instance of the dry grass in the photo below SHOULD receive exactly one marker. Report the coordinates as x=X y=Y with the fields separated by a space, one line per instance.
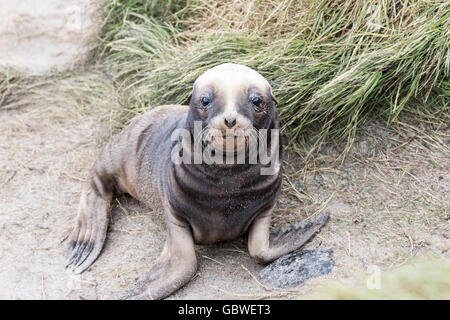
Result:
x=10 y=82
x=270 y=19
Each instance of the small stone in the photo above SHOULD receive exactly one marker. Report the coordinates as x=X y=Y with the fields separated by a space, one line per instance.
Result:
x=295 y=268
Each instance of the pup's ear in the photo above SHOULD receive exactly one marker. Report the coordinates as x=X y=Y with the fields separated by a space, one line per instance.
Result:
x=273 y=97
x=188 y=101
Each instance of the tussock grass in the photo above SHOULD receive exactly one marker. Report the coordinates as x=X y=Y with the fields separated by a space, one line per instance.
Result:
x=117 y=14
x=332 y=64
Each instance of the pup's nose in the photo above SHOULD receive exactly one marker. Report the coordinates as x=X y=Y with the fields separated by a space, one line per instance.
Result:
x=230 y=122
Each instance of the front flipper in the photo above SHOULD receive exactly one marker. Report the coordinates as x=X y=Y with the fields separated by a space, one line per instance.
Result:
x=265 y=247
x=299 y=233
x=175 y=266
x=88 y=236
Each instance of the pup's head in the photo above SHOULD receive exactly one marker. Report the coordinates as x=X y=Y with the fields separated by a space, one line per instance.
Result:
x=232 y=101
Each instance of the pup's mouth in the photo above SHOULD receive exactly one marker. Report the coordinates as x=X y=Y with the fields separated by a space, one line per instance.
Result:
x=229 y=140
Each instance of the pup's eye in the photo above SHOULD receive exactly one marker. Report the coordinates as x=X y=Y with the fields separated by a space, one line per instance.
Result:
x=256 y=101
x=205 y=101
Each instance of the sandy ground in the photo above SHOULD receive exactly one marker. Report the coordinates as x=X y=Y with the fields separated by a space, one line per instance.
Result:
x=37 y=36
x=388 y=203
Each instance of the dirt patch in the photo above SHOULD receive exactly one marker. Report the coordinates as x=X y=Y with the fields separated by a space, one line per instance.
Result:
x=388 y=200
x=388 y=203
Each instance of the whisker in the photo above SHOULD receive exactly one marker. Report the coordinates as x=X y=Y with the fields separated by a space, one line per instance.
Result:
x=197 y=138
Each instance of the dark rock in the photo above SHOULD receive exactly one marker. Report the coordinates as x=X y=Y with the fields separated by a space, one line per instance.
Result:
x=295 y=268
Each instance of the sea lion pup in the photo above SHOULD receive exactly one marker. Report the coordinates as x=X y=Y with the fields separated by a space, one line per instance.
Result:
x=203 y=203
